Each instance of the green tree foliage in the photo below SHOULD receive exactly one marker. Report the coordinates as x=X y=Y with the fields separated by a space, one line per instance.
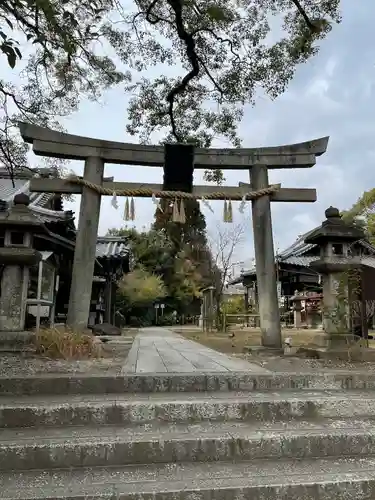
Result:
x=141 y=288
x=152 y=250
x=192 y=232
x=362 y=213
x=185 y=282
x=155 y=253
x=189 y=240
x=234 y=305
x=53 y=46
x=223 y=55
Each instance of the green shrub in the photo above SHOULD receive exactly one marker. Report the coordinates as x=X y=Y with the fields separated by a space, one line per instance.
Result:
x=166 y=320
x=141 y=288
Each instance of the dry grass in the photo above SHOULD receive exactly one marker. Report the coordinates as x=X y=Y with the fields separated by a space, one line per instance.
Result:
x=66 y=344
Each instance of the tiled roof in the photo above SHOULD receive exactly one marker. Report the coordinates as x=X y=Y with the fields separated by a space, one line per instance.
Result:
x=303 y=260
x=294 y=255
x=299 y=247
x=248 y=272
x=231 y=289
x=368 y=246
x=8 y=190
x=368 y=261
x=46 y=215
x=111 y=246
x=106 y=247
x=236 y=281
x=38 y=201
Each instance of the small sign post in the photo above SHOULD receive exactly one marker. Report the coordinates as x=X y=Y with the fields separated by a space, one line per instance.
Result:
x=156 y=312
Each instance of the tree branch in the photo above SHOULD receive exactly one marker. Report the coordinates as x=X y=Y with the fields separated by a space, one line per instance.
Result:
x=303 y=13
x=222 y=250
x=216 y=85
x=218 y=38
x=194 y=59
x=147 y=13
x=188 y=38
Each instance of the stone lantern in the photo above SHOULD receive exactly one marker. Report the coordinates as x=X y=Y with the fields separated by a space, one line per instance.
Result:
x=18 y=225
x=335 y=239
x=297 y=308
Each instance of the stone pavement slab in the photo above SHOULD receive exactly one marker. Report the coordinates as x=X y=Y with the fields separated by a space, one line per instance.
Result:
x=159 y=350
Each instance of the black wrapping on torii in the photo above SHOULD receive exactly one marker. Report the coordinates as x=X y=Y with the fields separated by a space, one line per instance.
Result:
x=178 y=167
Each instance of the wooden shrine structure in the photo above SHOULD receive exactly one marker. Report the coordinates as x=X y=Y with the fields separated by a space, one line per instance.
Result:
x=178 y=162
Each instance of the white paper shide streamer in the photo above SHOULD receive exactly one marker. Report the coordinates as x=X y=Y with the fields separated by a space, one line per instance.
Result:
x=206 y=204
x=156 y=202
x=114 y=201
x=242 y=204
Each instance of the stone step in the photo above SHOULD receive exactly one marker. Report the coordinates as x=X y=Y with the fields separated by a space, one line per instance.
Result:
x=67 y=383
x=93 y=410
x=327 y=479
x=75 y=447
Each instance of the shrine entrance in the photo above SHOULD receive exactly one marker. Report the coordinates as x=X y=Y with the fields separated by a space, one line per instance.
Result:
x=179 y=162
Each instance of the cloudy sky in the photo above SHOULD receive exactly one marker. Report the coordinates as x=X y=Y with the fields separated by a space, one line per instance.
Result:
x=332 y=95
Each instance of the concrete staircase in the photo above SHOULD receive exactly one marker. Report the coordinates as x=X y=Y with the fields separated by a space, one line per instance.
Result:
x=188 y=437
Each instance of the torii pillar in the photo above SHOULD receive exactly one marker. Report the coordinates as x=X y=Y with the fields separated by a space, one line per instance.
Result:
x=85 y=249
x=269 y=312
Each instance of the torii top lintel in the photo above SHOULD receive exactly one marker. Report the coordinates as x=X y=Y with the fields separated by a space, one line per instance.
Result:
x=47 y=142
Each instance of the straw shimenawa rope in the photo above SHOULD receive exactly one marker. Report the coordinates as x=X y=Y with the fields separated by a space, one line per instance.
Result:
x=145 y=191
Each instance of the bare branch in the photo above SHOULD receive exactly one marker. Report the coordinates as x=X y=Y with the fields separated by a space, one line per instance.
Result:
x=223 y=247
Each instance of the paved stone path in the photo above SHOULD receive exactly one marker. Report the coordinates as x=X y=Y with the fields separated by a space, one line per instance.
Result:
x=159 y=350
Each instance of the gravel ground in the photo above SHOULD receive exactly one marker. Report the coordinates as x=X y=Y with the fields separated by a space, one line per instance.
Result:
x=115 y=354
x=27 y=363
x=16 y=365
x=295 y=364
x=271 y=361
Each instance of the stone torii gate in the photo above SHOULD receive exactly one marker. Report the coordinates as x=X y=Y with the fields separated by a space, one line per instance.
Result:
x=95 y=153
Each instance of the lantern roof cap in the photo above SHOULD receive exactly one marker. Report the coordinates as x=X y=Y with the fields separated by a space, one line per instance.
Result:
x=334 y=229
